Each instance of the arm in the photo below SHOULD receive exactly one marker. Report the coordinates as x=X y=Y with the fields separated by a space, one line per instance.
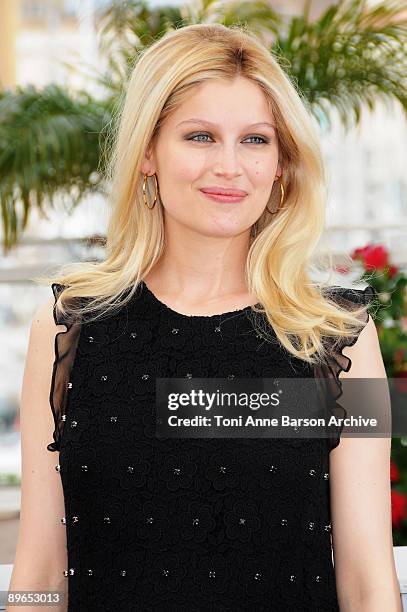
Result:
x=360 y=503
x=41 y=553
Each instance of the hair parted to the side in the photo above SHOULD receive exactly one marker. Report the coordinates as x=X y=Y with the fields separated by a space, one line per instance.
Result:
x=164 y=75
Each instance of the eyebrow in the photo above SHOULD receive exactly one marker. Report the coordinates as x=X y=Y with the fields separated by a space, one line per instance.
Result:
x=203 y=121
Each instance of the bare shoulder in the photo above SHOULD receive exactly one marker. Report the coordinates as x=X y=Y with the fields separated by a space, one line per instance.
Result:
x=43 y=317
x=43 y=328
x=38 y=369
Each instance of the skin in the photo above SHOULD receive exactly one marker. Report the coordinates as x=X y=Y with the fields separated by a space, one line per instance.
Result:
x=202 y=272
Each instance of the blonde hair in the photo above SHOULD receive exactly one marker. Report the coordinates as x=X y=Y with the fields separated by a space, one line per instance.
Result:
x=165 y=74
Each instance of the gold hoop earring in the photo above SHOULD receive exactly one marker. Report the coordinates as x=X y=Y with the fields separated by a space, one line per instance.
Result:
x=145 y=190
x=273 y=212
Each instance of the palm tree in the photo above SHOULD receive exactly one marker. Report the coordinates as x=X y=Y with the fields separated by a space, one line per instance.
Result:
x=352 y=56
x=49 y=144
x=52 y=141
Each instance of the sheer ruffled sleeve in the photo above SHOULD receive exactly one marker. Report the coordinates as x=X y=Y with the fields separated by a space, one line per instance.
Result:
x=65 y=349
x=327 y=374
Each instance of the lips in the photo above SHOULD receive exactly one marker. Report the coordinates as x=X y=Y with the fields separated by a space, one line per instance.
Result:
x=225 y=192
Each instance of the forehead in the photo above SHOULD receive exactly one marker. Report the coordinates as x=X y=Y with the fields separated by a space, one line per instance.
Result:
x=225 y=103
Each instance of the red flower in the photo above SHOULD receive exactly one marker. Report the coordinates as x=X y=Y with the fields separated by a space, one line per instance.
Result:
x=372 y=256
x=392 y=271
x=394 y=472
x=398 y=508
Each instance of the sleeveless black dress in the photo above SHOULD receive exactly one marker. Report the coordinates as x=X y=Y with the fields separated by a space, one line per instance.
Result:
x=185 y=524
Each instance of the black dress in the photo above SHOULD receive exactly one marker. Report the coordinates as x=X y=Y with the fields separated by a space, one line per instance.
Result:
x=185 y=524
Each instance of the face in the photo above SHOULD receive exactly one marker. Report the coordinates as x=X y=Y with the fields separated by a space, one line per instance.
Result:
x=221 y=137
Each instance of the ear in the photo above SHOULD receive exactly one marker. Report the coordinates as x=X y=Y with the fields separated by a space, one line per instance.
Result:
x=279 y=171
x=148 y=165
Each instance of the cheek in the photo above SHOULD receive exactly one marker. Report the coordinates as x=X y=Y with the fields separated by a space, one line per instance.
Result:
x=186 y=168
x=262 y=172
x=262 y=178
x=186 y=173
x=178 y=164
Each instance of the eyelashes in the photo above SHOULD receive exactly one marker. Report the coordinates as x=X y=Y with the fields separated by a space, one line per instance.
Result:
x=193 y=136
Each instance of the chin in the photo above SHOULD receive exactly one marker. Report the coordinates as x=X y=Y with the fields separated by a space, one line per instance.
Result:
x=224 y=232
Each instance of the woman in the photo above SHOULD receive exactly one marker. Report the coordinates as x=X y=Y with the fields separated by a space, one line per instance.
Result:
x=218 y=205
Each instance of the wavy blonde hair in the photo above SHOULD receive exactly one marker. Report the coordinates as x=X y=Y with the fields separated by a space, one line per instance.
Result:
x=281 y=245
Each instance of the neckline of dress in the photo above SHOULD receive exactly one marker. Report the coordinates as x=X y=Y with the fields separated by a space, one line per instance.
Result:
x=154 y=299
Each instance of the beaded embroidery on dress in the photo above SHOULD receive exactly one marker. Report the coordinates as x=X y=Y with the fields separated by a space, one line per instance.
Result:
x=185 y=524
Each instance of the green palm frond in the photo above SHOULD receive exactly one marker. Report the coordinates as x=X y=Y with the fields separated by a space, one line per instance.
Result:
x=352 y=56
x=124 y=29
x=133 y=24
x=258 y=14
x=49 y=144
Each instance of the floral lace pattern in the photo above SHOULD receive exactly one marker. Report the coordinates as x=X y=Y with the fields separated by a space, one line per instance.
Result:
x=184 y=524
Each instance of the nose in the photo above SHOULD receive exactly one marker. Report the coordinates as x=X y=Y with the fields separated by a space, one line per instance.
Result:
x=227 y=162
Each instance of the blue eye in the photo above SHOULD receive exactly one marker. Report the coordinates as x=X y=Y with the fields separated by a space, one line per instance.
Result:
x=263 y=141
x=192 y=138
x=196 y=136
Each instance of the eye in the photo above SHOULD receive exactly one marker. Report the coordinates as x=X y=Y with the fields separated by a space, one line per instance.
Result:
x=263 y=140
x=204 y=134
x=196 y=136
